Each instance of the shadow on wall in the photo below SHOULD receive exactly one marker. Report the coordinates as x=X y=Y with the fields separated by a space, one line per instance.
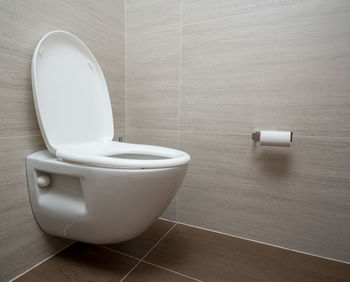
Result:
x=272 y=161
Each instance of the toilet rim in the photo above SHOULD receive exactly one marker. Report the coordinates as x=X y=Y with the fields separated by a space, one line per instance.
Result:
x=103 y=154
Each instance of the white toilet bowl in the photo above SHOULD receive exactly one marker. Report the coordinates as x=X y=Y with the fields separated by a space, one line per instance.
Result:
x=87 y=187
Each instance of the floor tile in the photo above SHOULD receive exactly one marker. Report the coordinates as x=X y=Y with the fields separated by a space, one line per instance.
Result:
x=82 y=262
x=140 y=245
x=210 y=256
x=148 y=273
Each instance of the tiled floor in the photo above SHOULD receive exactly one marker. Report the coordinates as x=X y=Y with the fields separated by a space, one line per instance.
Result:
x=175 y=252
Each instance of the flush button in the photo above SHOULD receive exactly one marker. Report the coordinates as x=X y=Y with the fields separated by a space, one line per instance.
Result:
x=43 y=181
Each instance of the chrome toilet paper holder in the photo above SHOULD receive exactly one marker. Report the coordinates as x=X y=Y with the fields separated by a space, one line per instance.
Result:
x=256 y=136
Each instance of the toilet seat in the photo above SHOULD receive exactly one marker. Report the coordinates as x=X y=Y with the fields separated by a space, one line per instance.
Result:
x=74 y=110
x=106 y=154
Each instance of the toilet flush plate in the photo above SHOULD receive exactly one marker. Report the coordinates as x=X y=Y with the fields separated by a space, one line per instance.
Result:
x=70 y=92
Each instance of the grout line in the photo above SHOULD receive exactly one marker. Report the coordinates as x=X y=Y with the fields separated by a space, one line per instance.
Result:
x=125 y=77
x=180 y=76
x=156 y=244
x=118 y=252
x=20 y=136
x=236 y=133
x=169 y=220
x=177 y=206
x=260 y=242
x=150 y=250
x=44 y=260
x=131 y=270
x=179 y=273
x=320 y=137
x=180 y=90
x=192 y=131
x=156 y=265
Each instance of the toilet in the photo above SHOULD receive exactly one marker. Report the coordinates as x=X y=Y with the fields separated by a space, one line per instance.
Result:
x=85 y=186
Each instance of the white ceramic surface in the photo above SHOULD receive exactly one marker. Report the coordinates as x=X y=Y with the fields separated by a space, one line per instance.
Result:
x=70 y=92
x=88 y=187
x=98 y=205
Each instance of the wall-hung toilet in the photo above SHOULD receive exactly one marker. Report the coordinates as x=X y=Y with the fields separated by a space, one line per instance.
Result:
x=87 y=187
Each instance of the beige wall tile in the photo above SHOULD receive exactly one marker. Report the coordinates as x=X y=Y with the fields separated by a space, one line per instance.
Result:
x=153 y=79
x=119 y=133
x=22 y=242
x=158 y=138
x=22 y=24
x=13 y=151
x=165 y=138
x=295 y=197
x=206 y=10
x=283 y=67
x=17 y=114
x=91 y=22
x=146 y=15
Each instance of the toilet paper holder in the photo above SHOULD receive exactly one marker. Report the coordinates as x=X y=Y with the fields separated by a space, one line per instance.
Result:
x=256 y=136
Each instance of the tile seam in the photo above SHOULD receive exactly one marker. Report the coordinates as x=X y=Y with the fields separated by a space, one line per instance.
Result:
x=131 y=270
x=170 y=270
x=119 y=252
x=125 y=76
x=41 y=262
x=150 y=250
x=19 y=136
x=156 y=244
x=156 y=265
x=236 y=133
x=260 y=242
x=179 y=107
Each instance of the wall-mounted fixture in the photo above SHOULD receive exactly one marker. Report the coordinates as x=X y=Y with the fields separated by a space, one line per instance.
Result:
x=273 y=138
x=87 y=187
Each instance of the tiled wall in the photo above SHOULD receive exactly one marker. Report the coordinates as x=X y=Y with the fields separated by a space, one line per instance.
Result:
x=203 y=74
x=22 y=24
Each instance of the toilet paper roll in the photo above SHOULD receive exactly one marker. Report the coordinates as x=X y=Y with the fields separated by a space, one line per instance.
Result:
x=275 y=138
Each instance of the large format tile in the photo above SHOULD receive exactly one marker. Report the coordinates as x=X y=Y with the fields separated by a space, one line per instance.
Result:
x=22 y=242
x=82 y=262
x=153 y=79
x=285 y=67
x=145 y=272
x=13 y=151
x=17 y=114
x=140 y=245
x=147 y=15
x=210 y=256
x=89 y=21
x=194 y=11
x=164 y=138
x=158 y=138
x=295 y=197
x=22 y=24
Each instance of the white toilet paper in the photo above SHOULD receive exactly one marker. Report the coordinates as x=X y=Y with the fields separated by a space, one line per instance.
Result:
x=275 y=138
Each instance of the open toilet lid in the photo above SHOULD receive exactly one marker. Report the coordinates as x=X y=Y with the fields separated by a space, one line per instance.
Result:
x=70 y=93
